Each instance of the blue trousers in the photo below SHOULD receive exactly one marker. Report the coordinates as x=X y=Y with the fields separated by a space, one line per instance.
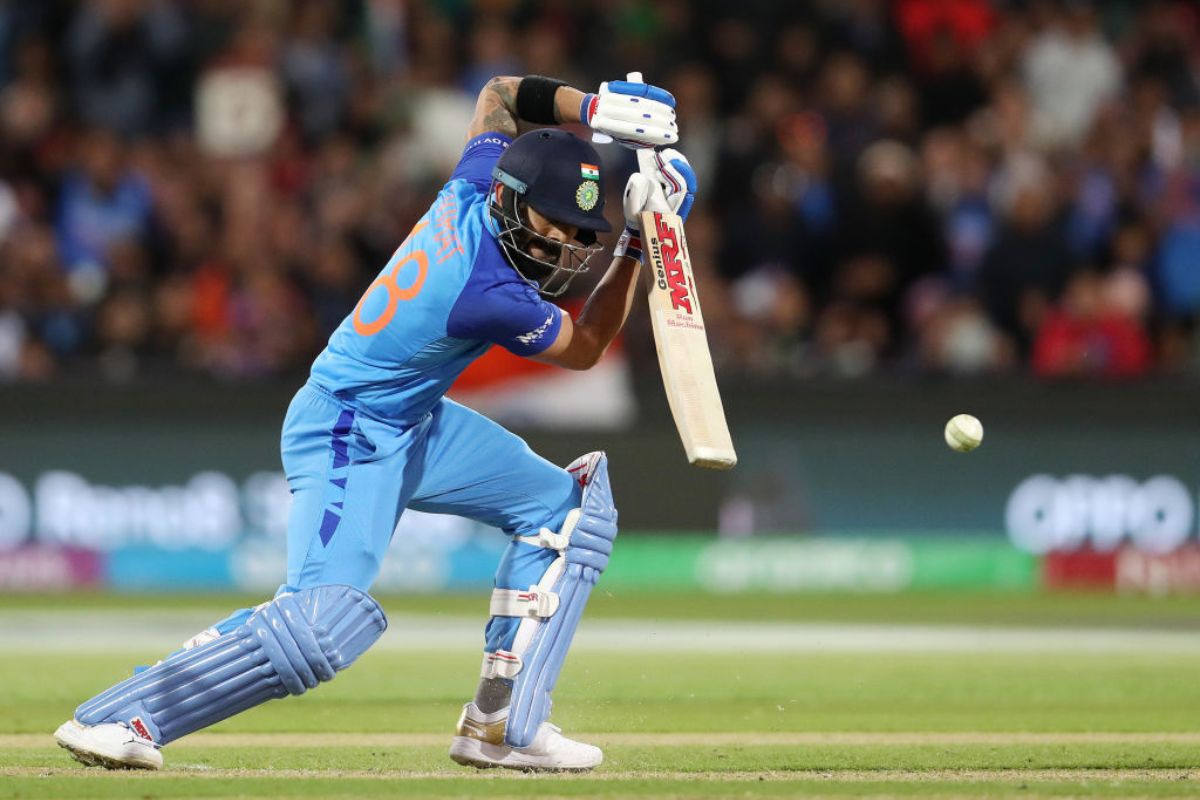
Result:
x=352 y=475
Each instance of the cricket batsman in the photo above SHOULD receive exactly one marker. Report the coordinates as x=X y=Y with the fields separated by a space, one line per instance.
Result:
x=371 y=434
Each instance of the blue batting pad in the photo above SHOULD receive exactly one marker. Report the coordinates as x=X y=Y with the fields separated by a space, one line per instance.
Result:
x=286 y=647
x=587 y=555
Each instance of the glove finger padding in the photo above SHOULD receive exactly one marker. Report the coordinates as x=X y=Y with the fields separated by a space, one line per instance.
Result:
x=644 y=132
x=645 y=112
x=642 y=90
x=678 y=180
x=642 y=193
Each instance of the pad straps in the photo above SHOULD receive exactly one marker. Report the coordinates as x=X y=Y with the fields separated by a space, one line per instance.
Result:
x=516 y=603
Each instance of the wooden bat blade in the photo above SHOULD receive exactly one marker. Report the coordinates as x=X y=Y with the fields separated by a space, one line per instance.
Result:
x=681 y=342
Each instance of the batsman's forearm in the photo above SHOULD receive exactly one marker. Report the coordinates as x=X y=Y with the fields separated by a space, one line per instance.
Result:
x=496 y=108
x=608 y=307
x=567 y=102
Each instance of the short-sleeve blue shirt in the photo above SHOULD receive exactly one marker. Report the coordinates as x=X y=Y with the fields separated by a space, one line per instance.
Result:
x=445 y=296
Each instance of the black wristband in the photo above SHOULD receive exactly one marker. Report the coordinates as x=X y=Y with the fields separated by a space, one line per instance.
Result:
x=535 y=99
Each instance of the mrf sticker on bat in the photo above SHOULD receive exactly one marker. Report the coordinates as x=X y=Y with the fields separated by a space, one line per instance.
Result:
x=668 y=268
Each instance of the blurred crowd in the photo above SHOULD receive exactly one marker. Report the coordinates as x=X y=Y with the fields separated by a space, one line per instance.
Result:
x=952 y=186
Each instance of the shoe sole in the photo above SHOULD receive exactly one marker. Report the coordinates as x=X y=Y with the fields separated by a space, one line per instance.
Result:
x=92 y=758
x=469 y=753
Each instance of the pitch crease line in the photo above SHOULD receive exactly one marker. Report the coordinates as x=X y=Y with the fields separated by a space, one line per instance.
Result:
x=32 y=741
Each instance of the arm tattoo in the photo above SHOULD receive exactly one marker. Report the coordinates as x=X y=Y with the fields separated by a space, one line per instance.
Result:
x=497 y=108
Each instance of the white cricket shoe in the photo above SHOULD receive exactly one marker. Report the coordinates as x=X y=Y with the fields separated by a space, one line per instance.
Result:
x=112 y=745
x=479 y=742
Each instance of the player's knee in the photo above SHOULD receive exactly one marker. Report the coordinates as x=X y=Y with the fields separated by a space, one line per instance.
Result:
x=584 y=527
x=581 y=530
x=567 y=491
x=310 y=635
x=595 y=527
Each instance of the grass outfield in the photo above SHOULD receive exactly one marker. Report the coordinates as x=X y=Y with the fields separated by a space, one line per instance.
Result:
x=1067 y=609
x=682 y=724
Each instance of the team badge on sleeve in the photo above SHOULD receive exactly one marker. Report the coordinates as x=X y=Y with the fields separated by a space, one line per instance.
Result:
x=587 y=195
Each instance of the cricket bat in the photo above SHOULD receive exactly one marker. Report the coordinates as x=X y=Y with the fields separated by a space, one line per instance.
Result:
x=679 y=336
x=682 y=344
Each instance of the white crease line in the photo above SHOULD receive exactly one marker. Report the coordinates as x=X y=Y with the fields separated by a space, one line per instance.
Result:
x=124 y=631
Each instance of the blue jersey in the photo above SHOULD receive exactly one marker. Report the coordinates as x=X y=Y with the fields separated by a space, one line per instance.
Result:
x=444 y=297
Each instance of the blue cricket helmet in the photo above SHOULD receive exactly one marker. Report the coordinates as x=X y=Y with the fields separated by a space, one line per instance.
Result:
x=560 y=176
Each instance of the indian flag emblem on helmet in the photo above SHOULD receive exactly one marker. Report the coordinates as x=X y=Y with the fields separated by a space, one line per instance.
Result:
x=590 y=171
x=587 y=195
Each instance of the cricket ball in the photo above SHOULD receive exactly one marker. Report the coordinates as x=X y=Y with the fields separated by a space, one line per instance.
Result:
x=964 y=433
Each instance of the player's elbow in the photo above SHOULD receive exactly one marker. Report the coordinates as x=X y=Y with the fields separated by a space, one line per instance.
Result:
x=505 y=86
x=584 y=360
x=579 y=346
x=578 y=356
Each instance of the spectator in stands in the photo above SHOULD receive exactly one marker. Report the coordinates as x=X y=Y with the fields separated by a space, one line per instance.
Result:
x=1178 y=262
x=957 y=172
x=888 y=235
x=1027 y=265
x=955 y=335
x=117 y=52
x=1163 y=48
x=100 y=203
x=1070 y=70
x=1092 y=332
x=893 y=183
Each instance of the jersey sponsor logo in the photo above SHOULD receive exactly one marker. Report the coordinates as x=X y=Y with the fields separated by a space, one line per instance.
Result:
x=486 y=140
x=537 y=333
x=671 y=276
x=587 y=195
x=140 y=729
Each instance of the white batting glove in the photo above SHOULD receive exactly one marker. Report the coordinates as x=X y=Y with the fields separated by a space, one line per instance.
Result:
x=634 y=114
x=677 y=179
x=671 y=188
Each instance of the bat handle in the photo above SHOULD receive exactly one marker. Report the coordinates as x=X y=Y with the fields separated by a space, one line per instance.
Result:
x=647 y=165
x=645 y=155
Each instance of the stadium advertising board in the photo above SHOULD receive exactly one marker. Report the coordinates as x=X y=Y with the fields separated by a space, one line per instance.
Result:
x=183 y=490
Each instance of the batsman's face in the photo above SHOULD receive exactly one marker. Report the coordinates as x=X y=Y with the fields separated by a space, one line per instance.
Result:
x=551 y=236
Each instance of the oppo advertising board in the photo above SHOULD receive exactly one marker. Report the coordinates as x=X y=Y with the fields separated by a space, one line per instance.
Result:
x=1156 y=515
